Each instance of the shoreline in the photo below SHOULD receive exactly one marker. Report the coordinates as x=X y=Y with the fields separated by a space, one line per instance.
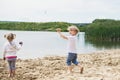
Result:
x=100 y=65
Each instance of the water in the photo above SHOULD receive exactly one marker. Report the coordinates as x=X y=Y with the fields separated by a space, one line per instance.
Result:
x=40 y=44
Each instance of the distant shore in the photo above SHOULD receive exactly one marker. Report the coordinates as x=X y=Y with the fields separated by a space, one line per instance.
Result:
x=100 y=65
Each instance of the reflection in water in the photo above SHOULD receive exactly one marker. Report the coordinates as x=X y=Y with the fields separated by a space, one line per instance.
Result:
x=104 y=44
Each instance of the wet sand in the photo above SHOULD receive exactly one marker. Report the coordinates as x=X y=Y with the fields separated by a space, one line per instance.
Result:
x=101 y=65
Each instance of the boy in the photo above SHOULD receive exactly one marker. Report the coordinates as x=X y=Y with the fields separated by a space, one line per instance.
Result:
x=72 y=52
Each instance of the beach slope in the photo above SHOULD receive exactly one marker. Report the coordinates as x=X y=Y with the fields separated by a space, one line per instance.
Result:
x=102 y=65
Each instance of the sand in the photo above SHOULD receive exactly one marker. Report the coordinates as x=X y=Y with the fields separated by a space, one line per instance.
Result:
x=101 y=65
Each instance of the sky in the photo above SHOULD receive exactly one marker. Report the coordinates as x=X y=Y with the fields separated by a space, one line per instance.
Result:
x=73 y=11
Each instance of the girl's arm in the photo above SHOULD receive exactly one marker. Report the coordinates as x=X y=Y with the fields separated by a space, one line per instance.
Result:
x=4 y=53
x=61 y=35
x=18 y=46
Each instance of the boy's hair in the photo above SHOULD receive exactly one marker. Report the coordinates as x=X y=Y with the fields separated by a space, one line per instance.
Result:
x=73 y=27
x=10 y=36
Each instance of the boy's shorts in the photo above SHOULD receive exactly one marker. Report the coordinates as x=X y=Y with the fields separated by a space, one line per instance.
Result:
x=72 y=58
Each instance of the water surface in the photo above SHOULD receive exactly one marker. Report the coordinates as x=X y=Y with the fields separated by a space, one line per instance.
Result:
x=40 y=44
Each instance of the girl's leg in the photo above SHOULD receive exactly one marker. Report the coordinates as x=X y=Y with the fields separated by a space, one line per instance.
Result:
x=13 y=66
x=13 y=72
x=10 y=73
x=10 y=69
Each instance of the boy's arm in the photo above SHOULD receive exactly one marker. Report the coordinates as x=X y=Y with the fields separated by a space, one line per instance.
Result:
x=61 y=35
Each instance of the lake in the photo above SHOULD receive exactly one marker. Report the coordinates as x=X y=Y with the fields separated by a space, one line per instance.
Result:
x=40 y=44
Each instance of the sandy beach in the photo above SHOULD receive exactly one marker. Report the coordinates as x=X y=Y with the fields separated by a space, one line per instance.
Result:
x=101 y=65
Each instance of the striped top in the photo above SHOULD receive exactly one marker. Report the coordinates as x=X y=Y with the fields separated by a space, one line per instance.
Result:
x=10 y=49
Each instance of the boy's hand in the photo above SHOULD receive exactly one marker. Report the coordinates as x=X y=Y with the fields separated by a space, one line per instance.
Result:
x=58 y=29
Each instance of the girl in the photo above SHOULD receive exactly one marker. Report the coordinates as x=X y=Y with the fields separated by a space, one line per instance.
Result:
x=10 y=49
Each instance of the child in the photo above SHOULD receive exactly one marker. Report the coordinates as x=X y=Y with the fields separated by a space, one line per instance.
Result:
x=72 y=52
x=10 y=49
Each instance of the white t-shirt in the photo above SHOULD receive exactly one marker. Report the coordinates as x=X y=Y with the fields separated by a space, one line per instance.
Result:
x=10 y=48
x=71 y=46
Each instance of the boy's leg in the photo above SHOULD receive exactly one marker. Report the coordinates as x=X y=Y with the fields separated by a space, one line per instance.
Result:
x=81 y=68
x=74 y=61
x=69 y=60
x=70 y=68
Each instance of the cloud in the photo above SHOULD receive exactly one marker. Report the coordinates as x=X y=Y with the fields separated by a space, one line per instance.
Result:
x=58 y=10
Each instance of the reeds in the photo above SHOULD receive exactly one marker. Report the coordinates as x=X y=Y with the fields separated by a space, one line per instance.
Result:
x=103 y=29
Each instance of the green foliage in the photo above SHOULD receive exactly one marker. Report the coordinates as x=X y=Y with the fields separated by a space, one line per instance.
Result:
x=82 y=26
x=32 y=26
x=104 y=29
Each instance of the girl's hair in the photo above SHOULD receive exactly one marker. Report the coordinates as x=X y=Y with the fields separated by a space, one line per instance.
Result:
x=10 y=36
x=73 y=27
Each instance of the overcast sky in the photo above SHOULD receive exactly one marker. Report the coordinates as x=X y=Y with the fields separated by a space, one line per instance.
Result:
x=74 y=11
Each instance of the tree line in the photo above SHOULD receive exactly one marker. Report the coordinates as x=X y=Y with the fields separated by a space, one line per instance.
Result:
x=99 y=29
x=103 y=30
x=33 y=26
